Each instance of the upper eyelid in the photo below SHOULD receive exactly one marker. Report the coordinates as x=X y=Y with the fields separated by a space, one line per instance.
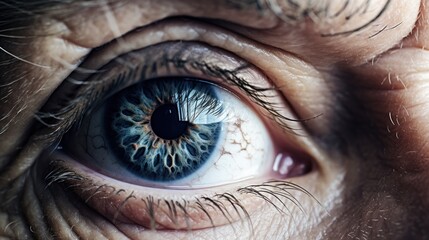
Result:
x=231 y=76
x=228 y=72
x=179 y=27
x=208 y=33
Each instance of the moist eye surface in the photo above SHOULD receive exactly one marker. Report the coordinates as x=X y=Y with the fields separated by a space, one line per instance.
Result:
x=164 y=130
x=173 y=132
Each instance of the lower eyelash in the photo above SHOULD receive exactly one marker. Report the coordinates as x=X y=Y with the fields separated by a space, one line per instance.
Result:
x=276 y=193
x=278 y=189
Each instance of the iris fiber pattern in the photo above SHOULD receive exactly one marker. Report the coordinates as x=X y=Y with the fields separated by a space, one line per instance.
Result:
x=165 y=130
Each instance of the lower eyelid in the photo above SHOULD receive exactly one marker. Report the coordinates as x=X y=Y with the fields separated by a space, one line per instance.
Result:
x=154 y=208
x=150 y=208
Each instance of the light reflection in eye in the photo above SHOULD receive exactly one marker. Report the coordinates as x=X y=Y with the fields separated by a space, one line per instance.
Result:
x=226 y=186
x=174 y=133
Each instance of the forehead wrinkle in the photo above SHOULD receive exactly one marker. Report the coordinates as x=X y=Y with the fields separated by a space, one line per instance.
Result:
x=32 y=7
x=284 y=9
x=19 y=13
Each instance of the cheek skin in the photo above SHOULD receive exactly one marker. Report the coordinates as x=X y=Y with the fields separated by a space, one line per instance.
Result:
x=386 y=181
x=395 y=90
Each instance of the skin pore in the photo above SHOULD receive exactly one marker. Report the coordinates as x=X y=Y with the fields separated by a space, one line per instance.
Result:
x=353 y=73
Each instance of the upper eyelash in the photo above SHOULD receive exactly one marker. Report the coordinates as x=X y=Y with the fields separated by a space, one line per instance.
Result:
x=60 y=120
x=276 y=193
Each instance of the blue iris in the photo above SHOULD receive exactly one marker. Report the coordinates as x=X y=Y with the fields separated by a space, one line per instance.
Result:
x=154 y=131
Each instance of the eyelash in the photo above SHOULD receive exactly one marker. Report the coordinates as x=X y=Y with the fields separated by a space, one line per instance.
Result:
x=275 y=192
x=62 y=117
x=54 y=119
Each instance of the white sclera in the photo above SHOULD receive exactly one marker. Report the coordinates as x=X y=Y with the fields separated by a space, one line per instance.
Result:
x=244 y=149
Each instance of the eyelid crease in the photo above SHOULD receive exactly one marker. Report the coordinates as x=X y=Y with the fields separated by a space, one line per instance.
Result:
x=81 y=96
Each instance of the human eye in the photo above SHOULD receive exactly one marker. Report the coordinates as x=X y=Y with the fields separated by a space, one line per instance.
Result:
x=164 y=130
x=178 y=135
x=325 y=102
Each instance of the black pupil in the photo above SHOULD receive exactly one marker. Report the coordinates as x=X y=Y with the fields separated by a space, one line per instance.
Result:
x=165 y=122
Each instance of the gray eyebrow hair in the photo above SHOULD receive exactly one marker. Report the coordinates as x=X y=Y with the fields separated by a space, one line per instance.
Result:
x=293 y=11
x=14 y=12
x=297 y=10
x=17 y=14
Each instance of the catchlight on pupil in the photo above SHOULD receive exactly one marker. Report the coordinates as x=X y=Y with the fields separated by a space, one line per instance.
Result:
x=173 y=133
x=166 y=124
x=165 y=130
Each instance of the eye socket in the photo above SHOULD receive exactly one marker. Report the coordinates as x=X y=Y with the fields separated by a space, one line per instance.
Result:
x=174 y=133
x=196 y=201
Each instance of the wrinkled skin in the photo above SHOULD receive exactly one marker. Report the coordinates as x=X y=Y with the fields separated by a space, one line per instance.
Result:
x=367 y=86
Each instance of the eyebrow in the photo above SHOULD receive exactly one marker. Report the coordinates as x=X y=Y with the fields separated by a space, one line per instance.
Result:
x=292 y=11
x=382 y=11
